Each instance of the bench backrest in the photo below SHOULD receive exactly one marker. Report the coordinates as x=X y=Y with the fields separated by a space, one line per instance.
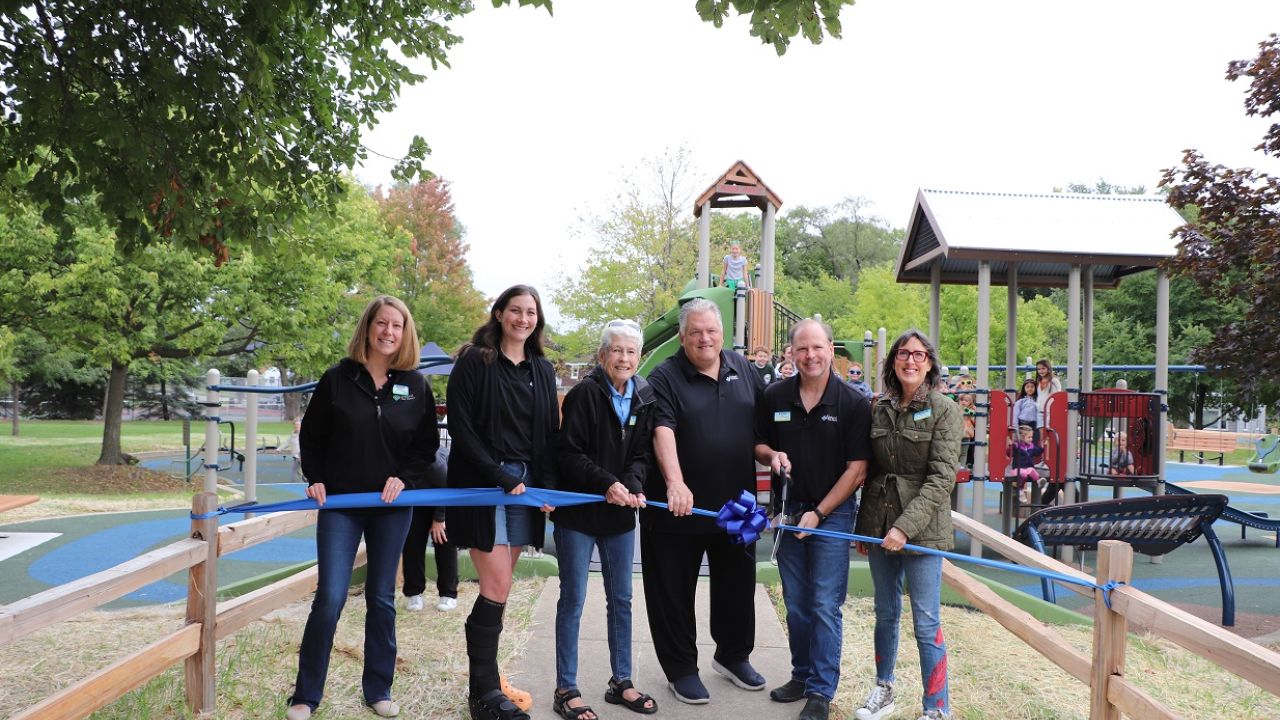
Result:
x=1205 y=440
x=1152 y=525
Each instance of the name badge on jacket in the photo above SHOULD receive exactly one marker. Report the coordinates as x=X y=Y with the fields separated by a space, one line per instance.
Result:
x=400 y=390
x=925 y=413
x=782 y=416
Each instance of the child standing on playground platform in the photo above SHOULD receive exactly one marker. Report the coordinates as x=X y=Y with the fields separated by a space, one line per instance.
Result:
x=1025 y=453
x=1026 y=410
x=734 y=274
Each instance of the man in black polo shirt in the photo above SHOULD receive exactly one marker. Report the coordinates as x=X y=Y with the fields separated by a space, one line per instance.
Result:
x=817 y=429
x=703 y=439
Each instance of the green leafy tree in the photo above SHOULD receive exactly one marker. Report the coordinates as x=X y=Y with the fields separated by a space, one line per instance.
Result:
x=839 y=241
x=641 y=255
x=213 y=122
x=170 y=302
x=1231 y=247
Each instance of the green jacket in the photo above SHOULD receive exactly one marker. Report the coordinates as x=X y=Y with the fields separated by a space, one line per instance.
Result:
x=914 y=456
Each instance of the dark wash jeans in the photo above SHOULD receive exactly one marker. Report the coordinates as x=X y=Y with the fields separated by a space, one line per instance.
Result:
x=338 y=534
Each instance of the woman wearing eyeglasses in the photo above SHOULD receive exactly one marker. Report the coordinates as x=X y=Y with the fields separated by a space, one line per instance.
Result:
x=915 y=444
x=606 y=447
x=502 y=420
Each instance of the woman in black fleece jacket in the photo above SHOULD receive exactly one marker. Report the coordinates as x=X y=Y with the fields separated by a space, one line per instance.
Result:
x=370 y=427
x=502 y=421
x=606 y=447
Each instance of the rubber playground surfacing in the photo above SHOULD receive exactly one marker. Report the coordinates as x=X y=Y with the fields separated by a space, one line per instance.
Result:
x=81 y=545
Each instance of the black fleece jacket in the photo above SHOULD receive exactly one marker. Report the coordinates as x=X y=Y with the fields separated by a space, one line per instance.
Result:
x=596 y=450
x=354 y=437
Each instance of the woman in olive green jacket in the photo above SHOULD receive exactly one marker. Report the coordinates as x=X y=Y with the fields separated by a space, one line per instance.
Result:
x=915 y=444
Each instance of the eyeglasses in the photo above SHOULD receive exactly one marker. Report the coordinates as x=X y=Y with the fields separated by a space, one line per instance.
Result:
x=623 y=323
x=917 y=355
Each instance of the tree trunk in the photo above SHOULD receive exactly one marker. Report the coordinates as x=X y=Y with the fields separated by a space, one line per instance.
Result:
x=113 y=415
x=164 y=401
x=17 y=406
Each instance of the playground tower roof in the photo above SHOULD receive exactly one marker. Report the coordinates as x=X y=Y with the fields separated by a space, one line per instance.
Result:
x=738 y=187
x=1113 y=235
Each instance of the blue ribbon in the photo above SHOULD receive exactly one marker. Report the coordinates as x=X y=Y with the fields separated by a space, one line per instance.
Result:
x=742 y=518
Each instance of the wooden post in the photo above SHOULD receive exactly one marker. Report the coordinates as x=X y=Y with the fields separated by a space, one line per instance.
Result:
x=1110 y=629
x=202 y=608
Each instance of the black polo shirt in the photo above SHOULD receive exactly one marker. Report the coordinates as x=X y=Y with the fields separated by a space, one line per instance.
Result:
x=713 y=421
x=515 y=410
x=821 y=442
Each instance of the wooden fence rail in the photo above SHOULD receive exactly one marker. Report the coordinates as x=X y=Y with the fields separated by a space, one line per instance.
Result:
x=1111 y=693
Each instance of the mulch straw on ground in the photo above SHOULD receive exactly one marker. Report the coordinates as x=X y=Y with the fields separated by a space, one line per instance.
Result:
x=995 y=676
x=256 y=667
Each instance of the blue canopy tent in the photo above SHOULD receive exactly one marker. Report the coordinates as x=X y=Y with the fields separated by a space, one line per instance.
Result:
x=434 y=361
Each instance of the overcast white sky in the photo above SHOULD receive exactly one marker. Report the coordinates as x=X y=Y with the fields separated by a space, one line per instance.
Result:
x=539 y=116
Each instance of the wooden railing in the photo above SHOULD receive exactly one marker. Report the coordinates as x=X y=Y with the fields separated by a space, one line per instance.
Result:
x=1111 y=693
x=207 y=621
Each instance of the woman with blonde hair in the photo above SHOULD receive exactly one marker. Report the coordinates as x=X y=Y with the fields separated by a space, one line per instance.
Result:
x=370 y=427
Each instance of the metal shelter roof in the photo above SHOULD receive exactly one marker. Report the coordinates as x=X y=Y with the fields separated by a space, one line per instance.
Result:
x=1044 y=235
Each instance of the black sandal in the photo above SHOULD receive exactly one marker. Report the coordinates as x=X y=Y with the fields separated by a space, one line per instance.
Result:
x=493 y=705
x=615 y=696
x=560 y=703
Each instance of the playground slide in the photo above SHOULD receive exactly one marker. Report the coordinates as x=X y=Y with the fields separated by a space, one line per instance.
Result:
x=661 y=337
x=1235 y=515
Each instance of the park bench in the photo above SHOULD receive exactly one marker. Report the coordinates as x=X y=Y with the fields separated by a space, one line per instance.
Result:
x=1152 y=525
x=1200 y=443
x=9 y=502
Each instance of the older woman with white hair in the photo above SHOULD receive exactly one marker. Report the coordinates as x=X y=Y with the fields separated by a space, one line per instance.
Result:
x=605 y=449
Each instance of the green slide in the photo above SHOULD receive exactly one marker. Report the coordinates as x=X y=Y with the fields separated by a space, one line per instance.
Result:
x=661 y=337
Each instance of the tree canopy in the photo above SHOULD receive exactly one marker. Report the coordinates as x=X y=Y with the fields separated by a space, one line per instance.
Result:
x=1230 y=248
x=213 y=122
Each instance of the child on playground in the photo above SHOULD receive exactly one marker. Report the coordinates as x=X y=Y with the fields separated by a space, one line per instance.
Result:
x=968 y=404
x=1121 y=461
x=734 y=274
x=1025 y=409
x=1025 y=453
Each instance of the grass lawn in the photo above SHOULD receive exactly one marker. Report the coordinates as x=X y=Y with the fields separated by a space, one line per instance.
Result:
x=57 y=456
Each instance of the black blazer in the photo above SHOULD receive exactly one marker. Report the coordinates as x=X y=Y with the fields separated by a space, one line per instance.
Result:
x=596 y=450
x=354 y=437
x=473 y=420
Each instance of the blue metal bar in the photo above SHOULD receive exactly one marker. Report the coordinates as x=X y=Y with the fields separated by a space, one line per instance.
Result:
x=427 y=362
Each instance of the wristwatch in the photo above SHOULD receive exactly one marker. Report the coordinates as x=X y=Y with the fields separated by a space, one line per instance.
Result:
x=821 y=516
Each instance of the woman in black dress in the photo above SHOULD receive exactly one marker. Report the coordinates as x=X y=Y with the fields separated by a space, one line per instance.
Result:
x=503 y=418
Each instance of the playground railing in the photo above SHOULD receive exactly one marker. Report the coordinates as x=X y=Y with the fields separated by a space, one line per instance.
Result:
x=1111 y=692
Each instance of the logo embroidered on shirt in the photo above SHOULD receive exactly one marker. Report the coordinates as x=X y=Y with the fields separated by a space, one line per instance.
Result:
x=829 y=418
x=731 y=378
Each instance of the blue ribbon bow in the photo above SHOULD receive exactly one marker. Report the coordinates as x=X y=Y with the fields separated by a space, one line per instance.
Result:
x=743 y=519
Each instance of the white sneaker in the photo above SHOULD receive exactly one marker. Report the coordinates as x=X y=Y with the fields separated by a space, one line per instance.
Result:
x=879 y=703
x=446 y=604
x=935 y=714
x=413 y=603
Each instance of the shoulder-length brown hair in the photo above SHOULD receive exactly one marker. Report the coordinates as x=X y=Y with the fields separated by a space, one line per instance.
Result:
x=890 y=378
x=406 y=357
x=488 y=337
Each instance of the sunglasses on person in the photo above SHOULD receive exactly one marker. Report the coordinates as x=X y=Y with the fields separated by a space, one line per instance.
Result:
x=623 y=323
x=855 y=372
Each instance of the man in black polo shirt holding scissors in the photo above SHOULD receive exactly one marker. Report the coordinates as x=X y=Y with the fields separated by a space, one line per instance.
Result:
x=703 y=439
x=817 y=429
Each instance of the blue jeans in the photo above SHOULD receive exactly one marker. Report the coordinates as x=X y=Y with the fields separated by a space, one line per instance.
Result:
x=573 y=552
x=815 y=581
x=923 y=574
x=512 y=524
x=338 y=535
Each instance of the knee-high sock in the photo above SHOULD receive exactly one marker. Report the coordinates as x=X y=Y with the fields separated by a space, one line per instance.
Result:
x=484 y=627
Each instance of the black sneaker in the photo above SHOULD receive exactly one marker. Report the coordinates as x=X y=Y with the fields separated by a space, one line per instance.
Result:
x=689 y=689
x=816 y=708
x=740 y=673
x=792 y=691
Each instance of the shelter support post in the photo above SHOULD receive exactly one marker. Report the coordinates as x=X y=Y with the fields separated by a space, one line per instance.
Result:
x=1162 y=373
x=935 y=302
x=881 y=350
x=767 y=248
x=704 y=247
x=1011 y=329
x=984 y=373
x=1086 y=376
x=1069 y=441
